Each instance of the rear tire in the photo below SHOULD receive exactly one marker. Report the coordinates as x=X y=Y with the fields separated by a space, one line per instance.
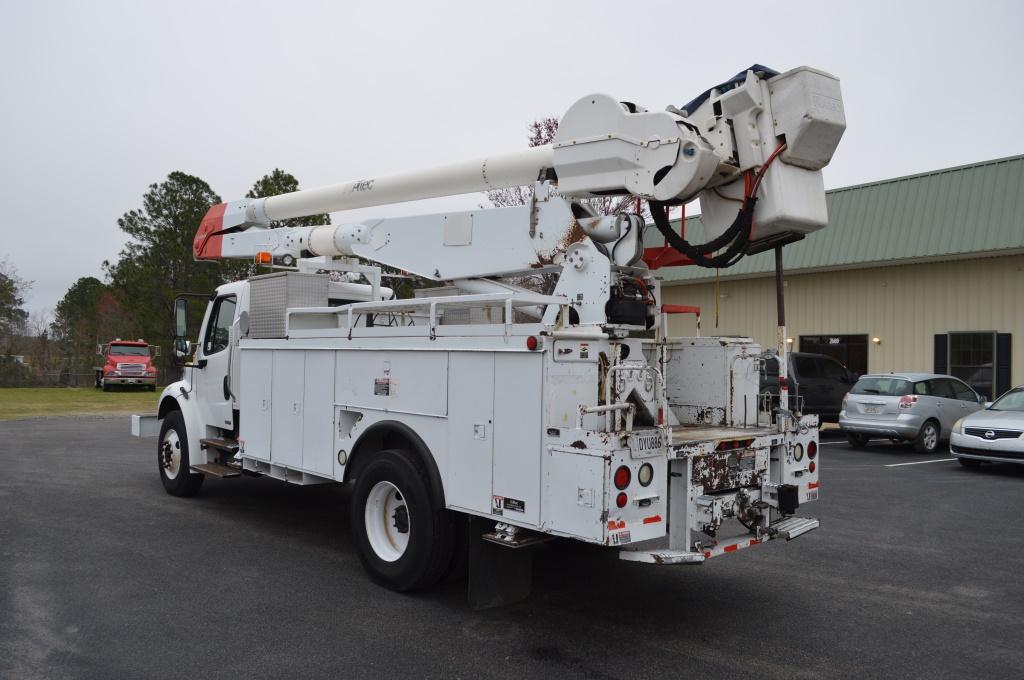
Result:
x=172 y=458
x=403 y=541
x=969 y=462
x=927 y=440
x=857 y=441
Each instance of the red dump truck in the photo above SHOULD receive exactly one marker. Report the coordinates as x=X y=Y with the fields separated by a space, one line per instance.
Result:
x=126 y=362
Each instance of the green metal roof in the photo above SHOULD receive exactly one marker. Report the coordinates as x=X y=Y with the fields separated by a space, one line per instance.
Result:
x=945 y=214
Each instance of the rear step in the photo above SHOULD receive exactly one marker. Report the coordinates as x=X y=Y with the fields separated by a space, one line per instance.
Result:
x=225 y=445
x=791 y=527
x=217 y=470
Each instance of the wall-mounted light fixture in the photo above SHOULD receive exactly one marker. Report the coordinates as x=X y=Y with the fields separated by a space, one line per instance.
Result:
x=877 y=340
x=789 y=341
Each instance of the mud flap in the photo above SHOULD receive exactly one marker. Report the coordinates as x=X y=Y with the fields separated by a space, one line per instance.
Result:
x=498 y=575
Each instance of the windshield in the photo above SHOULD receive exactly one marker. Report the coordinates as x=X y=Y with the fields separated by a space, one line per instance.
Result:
x=130 y=350
x=1011 y=401
x=884 y=386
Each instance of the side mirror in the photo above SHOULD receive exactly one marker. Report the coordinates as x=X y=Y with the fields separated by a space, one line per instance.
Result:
x=182 y=348
x=180 y=317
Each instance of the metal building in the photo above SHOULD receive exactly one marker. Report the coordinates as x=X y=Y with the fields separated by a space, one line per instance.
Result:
x=916 y=273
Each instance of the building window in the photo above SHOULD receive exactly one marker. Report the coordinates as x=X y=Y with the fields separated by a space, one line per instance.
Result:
x=972 y=358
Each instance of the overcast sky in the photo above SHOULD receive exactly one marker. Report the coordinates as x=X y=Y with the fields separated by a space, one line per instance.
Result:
x=101 y=99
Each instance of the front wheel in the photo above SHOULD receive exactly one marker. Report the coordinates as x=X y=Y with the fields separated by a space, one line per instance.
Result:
x=403 y=541
x=928 y=438
x=172 y=458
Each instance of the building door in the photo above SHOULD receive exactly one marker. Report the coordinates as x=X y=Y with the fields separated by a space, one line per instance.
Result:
x=849 y=350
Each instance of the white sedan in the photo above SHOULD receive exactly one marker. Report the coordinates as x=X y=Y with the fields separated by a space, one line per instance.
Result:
x=994 y=435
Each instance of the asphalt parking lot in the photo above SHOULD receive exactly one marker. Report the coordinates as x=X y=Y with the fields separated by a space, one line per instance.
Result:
x=916 y=572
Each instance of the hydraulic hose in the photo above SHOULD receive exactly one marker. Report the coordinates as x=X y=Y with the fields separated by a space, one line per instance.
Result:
x=734 y=239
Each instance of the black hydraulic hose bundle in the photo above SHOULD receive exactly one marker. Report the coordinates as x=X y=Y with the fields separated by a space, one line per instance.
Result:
x=734 y=239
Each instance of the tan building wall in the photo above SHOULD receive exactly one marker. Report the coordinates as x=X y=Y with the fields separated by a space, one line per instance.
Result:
x=903 y=305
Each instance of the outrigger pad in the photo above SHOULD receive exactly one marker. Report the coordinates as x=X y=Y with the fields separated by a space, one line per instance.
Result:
x=497 y=575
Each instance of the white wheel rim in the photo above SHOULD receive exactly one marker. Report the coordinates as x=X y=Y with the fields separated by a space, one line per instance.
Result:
x=170 y=454
x=930 y=437
x=387 y=521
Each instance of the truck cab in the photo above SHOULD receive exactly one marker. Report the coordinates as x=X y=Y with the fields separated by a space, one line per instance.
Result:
x=126 y=363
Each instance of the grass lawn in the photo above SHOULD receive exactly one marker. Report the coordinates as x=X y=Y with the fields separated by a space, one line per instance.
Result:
x=32 y=402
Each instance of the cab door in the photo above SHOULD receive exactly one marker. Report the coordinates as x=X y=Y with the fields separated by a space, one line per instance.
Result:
x=212 y=362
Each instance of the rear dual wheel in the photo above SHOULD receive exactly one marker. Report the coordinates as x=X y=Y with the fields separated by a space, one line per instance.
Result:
x=403 y=540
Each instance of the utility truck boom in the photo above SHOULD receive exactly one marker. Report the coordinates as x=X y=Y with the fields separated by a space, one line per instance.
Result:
x=517 y=414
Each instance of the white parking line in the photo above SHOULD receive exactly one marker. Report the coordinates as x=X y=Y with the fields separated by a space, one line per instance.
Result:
x=922 y=462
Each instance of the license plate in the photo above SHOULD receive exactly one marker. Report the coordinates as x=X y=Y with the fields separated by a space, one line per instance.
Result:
x=645 y=443
x=872 y=409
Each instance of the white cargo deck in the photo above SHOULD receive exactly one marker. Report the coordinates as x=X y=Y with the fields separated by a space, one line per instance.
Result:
x=688 y=434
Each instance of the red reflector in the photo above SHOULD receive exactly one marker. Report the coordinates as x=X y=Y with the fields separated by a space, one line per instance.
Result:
x=812 y=450
x=621 y=500
x=730 y=548
x=622 y=477
x=532 y=343
x=263 y=257
x=811 y=467
x=653 y=519
x=814 y=485
x=783 y=383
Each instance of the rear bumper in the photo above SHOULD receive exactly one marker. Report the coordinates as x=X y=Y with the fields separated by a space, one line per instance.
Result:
x=787 y=528
x=903 y=426
x=996 y=451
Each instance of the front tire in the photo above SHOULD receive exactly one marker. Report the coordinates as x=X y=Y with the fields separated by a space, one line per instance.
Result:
x=857 y=441
x=928 y=438
x=403 y=541
x=172 y=458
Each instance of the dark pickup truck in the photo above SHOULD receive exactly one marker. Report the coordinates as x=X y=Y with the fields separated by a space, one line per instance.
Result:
x=816 y=381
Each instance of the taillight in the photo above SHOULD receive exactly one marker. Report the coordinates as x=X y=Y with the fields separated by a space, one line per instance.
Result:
x=812 y=467
x=646 y=474
x=812 y=451
x=622 y=477
x=908 y=400
x=532 y=343
x=621 y=500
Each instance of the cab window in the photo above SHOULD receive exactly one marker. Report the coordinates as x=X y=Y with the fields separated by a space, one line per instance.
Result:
x=806 y=367
x=832 y=370
x=219 y=329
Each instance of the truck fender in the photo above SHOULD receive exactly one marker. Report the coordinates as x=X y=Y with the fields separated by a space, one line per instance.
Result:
x=391 y=434
x=172 y=399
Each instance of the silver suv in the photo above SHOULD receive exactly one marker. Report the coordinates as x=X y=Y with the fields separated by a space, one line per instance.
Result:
x=917 y=407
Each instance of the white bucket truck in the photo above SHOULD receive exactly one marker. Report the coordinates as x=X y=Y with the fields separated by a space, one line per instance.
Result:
x=570 y=414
